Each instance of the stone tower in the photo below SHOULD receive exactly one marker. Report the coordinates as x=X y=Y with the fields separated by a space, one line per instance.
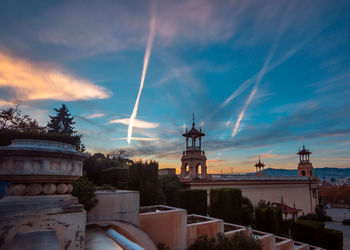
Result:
x=305 y=167
x=259 y=167
x=193 y=159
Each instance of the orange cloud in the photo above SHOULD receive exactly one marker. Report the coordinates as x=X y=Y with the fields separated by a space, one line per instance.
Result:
x=31 y=81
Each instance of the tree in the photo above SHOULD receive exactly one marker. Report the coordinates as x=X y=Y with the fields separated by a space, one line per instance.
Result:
x=168 y=190
x=12 y=119
x=85 y=190
x=62 y=122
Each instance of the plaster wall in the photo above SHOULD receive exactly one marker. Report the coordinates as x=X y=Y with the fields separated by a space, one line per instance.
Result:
x=168 y=227
x=298 y=193
x=211 y=228
x=122 y=205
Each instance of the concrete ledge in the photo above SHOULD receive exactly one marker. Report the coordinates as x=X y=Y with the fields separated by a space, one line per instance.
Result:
x=232 y=229
x=165 y=224
x=122 y=205
x=282 y=243
x=198 y=225
x=267 y=239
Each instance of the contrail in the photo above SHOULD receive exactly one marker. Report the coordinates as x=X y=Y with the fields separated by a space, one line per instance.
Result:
x=150 y=39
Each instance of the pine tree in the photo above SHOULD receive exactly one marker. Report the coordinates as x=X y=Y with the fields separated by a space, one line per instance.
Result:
x=62 y=122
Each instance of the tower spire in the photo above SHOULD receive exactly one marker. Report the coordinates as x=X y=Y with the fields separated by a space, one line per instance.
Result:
x=193 y=120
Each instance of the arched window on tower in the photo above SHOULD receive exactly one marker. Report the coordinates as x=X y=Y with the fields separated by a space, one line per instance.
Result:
x=199 y=170
x=187 y=171
x=303 y=173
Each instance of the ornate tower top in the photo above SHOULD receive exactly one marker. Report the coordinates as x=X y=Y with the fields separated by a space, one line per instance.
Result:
x=305 y=167
x=259 y=167
x=193 y=159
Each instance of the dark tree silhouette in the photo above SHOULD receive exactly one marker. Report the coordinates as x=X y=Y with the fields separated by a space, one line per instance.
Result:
x=62 y=122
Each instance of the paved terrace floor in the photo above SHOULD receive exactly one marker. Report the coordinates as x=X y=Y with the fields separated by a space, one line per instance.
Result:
x=338 y=215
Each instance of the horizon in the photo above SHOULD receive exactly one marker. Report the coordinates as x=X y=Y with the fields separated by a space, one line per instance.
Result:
x=261 y=78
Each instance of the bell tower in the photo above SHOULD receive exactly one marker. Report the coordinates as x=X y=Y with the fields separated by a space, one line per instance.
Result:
x=305 y=167
x=259 y=167
x=193 y=159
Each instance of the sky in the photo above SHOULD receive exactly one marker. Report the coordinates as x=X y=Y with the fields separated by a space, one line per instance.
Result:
x=262 y=77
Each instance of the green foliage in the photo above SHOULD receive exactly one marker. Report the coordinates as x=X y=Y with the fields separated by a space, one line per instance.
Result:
x=310 y=232
x=319 y=215
x=194 y=201
x=7 y=135
x=268 y=219
x=12 y=119
x=168 y=190
x=239 y=241
x=103 y=170
x=84 y=190
x=226 y=204
x=247 y=212
x=62 y=122
x=143 y=177
x=203 y=243
x=333 y=239
x=162 y=246
x=346 y=222
x=285 y=228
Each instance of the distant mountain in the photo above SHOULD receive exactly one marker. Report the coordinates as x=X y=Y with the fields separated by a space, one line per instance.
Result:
x=320 y=172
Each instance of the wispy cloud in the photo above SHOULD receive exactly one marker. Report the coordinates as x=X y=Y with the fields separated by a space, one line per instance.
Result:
x=97 y=115
x=137 y=123
x=136 y=139
x=31 y=81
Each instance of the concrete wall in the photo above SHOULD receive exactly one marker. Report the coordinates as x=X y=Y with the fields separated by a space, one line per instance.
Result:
x=211 y=228
x=267 y=239
x=25 y=214
x=120 y=205
x=165 y=226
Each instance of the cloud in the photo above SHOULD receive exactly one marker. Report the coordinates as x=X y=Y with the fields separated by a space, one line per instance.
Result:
x=31 y=81
x=97 y=115
x=136 y=139
x=137 y=123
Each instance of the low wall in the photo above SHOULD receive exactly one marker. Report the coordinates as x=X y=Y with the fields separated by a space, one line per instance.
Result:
x=165 y=224
x=120 y=205
x=232 y=229
x=267 y=239
x=198 y=225
x=283 y=243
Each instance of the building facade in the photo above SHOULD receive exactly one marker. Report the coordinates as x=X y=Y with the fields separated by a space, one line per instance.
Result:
x=300 y=192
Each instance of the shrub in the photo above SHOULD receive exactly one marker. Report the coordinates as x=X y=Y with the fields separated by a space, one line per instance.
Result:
x=333 y=239
x=168 y=190
x=239 y=241
x=308 y=231
x=162 y=246
x=84 y=190
x=195 y=201
x=226 y=204
x=346 y=222
x=247 y=212
x=268 y=220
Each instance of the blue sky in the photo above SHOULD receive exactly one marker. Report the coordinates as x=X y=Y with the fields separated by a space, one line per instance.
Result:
x=262 y=77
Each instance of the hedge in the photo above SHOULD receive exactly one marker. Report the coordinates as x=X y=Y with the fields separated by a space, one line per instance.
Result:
x=7 y=135
x=194 y=201
x=346 y=222
x=269 y=220
x=311 y=232
x=333 y=239
x=226 y=204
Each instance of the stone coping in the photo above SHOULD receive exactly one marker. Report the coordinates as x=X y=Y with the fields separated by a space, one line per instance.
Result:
x=158 y=209
x=30 y=147
x=201 y=219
